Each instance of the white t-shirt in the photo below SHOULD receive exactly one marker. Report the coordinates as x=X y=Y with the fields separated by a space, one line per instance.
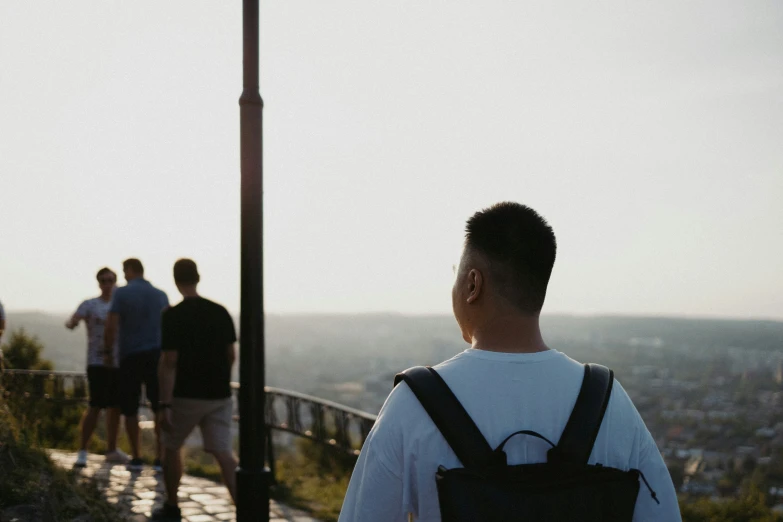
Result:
x=95 y=311
x=502 y=393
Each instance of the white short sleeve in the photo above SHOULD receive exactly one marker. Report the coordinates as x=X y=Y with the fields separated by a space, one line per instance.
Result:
x=84 y=309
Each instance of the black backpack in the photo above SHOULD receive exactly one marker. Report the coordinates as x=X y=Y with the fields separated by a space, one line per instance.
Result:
x=565 y=488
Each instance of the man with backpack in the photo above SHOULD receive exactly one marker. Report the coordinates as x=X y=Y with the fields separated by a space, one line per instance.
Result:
x=472 y=438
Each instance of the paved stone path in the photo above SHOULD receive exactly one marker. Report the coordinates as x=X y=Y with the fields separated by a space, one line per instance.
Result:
x=138 y=493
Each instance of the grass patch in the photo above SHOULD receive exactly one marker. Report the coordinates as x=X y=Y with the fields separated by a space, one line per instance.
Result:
x=36 y=488
x=314 y=478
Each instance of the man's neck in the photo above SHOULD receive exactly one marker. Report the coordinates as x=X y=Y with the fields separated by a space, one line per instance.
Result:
x=512 y=333
x=106 y=296
x=188 y=291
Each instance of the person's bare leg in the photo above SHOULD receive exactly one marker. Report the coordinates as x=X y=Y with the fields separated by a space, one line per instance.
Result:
x=89 y=421
x=172 y=473
x=134 y=434
x=228 y=468
x=112 y=428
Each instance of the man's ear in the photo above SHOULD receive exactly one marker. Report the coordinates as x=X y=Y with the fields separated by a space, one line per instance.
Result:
x=475 y=285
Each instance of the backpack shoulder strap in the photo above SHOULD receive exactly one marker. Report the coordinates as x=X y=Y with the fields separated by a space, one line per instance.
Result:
x=576 y=442
x=449 y=416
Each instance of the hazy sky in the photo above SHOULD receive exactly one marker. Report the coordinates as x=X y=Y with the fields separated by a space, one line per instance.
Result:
x=650 y=135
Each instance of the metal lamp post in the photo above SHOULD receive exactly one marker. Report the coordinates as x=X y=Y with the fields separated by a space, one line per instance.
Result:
x=253 y=478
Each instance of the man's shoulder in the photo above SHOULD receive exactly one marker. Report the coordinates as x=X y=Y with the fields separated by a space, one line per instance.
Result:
x=150 y=293
x=119 y=296
x=121 y=291
x=89 y=304
x=401 y=406
x=150 y=288
x=174 y=311
x=202 y=303
x=620 y=402
x=213 y=307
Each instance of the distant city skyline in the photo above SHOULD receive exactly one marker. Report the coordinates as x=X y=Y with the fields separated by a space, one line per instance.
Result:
x=648 y=136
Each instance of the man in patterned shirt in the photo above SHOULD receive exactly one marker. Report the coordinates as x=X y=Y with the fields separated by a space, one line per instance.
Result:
x=102 y=379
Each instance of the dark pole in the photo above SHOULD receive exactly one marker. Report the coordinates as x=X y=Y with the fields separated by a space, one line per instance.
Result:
x=253 y=479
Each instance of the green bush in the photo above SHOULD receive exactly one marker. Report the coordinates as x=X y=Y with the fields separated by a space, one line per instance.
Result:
x=50 y=424
x=23 y=352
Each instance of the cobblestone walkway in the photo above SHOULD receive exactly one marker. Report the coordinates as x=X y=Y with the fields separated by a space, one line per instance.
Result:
x=138 y=493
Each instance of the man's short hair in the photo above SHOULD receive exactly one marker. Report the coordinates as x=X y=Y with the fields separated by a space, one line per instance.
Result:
x=105 y=270
x=134 y=265
x=520 y=247
x=186 y=272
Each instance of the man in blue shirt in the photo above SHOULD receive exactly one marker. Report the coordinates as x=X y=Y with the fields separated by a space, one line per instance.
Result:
x=135 y=317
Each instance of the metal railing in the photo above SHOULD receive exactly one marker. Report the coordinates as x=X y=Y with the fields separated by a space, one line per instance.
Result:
x=319 y=420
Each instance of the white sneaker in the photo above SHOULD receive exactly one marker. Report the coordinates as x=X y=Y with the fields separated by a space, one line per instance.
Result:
x=81 y=459
x=117 y=456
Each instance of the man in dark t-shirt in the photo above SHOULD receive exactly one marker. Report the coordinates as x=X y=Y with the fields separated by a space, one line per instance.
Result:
x=198 y=339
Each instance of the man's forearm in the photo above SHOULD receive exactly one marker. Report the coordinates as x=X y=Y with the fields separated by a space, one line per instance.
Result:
x=166 y=376
x=73 y=321
x=232 y=355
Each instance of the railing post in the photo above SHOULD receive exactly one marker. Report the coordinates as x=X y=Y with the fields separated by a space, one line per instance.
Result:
x=270 y=449
x=341 y=428
x=59 y=387
x=80 y=388
x=319 y=422
x=39 y=385
x=253 y=478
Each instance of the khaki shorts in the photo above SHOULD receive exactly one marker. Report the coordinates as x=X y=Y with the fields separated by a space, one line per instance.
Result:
x=214 y=417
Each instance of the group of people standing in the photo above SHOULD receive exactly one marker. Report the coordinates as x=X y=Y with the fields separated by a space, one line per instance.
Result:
x=182 y=355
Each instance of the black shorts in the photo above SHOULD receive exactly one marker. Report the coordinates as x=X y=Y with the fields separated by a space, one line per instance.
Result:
x=135 y=369
x=103 y=384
